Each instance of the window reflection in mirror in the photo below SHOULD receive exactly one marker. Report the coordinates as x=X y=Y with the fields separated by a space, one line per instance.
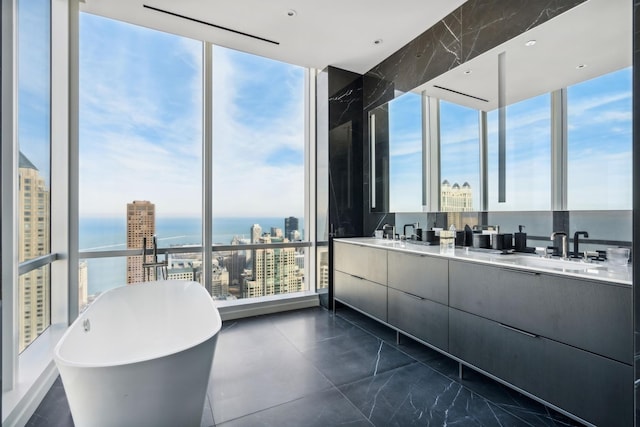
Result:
x=395 y=130
x=405 y=153
x=459 y=158
x=600 y=142
x=528 y=156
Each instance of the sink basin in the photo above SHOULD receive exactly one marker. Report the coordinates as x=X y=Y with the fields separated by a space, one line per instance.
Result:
x=555 y=264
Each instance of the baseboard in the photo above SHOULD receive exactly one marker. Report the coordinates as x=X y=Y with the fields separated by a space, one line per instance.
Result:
x=248 y=308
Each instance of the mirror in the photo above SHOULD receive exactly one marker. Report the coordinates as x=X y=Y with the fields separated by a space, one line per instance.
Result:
x=590 y=43
x=396 y=132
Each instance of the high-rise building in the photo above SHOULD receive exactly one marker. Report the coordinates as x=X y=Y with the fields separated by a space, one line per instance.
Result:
x=277 y=232
x=290 y=225
x=34 y=229
x=274 y=271
x=141 y=224
x=256 y=232
x=454 y=198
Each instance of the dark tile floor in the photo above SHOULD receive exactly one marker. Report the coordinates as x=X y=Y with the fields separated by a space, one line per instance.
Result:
x=313 y=368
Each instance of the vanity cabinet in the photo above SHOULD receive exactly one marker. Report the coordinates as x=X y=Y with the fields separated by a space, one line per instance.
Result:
x=590 y=386
x=418 y=295
x=421 y=275
x=564 y=340
x=590 y=315
x=360 y=278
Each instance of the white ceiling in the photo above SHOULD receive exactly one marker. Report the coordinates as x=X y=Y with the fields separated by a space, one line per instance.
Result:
x=597 y=33
x=340 y=33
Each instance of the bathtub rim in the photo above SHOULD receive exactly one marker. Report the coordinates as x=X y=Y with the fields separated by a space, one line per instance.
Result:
x=60 y=360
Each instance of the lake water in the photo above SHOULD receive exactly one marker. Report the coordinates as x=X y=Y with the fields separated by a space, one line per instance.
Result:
x=99 y=234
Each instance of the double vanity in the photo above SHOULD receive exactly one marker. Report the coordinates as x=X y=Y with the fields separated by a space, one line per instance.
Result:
x=559 y=331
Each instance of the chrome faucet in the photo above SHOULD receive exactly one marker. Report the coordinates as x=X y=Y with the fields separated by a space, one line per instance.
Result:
x=576 y=237
x=415 y=226
x=565 y=243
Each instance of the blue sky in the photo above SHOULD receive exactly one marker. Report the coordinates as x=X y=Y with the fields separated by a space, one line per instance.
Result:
x=141 y=132
x=33 y=83
x=599 y=150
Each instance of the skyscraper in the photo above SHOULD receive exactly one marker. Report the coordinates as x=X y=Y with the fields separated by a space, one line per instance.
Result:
x=141 y=223
x=455 y=198
x=290 y=225
x=256 y=232
x=34 y=230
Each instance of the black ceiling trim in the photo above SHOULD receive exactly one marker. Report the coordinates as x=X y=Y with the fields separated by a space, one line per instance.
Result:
x=210 y=24
x=460 y=93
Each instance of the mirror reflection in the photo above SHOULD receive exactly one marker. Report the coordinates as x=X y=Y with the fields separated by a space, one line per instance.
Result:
x=568 y=123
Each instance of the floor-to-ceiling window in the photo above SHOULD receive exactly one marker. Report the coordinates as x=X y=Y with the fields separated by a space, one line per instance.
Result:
x=140 y=152
x=141 y=164
x=459 y=158
x=34 y=177
x=528 y=156
x=258 y=175
x=599 y=142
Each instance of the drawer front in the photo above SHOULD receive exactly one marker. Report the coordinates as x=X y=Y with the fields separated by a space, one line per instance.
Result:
x=585 y=314
x=422 y=318
x=361 y=261
x=365 y=295
x=420 y=275
x=592 y=387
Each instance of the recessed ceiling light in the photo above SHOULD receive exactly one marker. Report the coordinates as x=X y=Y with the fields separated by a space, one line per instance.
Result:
x=581 y=66
x=530 y=43
x=468 y=71
x=291 y=13
x=377 y=41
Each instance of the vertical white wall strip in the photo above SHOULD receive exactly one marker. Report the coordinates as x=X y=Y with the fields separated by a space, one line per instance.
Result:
x=431 y=119
x=372 y=139
x=484 y=160
x=207 y=163
x=502 y=127
x=9 y=160
x=559 y=150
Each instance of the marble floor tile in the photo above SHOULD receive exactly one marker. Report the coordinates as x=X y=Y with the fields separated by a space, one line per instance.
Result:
x=313 y=368
x=54 y=410
x=322 y=409
x=418 y=395
x=350 y=358
x=243 y=383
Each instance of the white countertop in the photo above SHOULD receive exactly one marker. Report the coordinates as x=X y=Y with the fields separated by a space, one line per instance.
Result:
x=604 y=272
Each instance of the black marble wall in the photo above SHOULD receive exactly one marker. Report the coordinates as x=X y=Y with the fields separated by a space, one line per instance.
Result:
x=474 y=28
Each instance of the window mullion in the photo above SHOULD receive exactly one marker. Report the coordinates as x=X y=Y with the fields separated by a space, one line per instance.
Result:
x=9 y=159
x=207 y=164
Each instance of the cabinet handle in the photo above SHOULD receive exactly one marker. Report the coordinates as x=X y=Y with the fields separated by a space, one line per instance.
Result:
x=515 y=270
x=413 y=296
x=520 y=331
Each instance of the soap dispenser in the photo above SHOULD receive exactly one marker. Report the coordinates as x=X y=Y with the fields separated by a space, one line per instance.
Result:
x=521 y=240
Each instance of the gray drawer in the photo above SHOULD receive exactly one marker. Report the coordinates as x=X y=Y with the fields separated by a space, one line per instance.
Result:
x=361 y=261
x=365 y=295
x=422 y=318
x=420 y=275
x=592 y=387
x=586 y=314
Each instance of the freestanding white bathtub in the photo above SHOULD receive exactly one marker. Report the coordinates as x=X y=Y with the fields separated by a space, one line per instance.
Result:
x=140 y=355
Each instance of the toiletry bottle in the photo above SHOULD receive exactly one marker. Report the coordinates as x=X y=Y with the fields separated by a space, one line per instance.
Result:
x=521 y=240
